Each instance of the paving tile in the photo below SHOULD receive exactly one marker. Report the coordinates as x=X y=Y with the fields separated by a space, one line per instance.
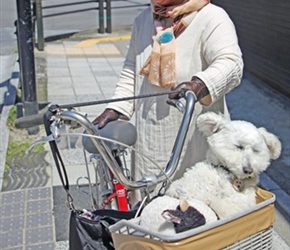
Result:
x=84 y=81
x=61 y=99
x=44 y=246
x=58 y=72
x=117 y=70
x=55 y=49
x=96 y=69
x=38 y=193
x=9 y=240
x=13 y=197
x=58 y=91
x=38 y=206
x=39 y=235
x=74 y=60
x=11 y=210
x=89 y=97
x=68 y=43
x=56 y=59
x=57 y=62
x=109 y=49
x=107 y=72
x=38 y=220
x=14 y=248
x=92 y=51
x=81 y=71
x=11 y=224
x=74 y=51
x=83 y=91
x=116 y=61
x=61 y=82
x=107 y=80
x=98 y=62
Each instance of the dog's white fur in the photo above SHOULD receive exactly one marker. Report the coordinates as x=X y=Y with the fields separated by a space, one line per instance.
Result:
x=237 y=150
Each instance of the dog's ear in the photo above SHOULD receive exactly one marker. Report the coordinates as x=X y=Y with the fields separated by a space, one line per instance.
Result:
x=273 y=143
x=210 y=123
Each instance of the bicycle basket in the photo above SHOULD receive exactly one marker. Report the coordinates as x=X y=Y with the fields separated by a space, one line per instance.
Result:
x=250 y=229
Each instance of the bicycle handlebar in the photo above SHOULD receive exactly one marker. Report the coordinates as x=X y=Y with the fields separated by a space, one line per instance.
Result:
x=55 y=115
x=146 y=181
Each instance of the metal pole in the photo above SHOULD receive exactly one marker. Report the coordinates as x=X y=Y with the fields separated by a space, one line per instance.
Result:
x=101 y=17
x=26 y=58
x=109 y=16
x=39 y=22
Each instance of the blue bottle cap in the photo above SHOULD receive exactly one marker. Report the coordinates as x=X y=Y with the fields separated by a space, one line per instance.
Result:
x=166 y=37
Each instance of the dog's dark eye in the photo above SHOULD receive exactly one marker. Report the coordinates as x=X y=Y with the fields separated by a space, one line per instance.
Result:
x=240 y=147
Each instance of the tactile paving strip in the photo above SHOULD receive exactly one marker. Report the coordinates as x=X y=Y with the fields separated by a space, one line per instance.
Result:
x=26 y=171
x=26 y=219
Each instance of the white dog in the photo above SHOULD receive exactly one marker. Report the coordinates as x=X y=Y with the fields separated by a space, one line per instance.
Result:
x=227 y=179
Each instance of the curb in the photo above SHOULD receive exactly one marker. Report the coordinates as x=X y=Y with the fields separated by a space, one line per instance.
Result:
x=8 y=102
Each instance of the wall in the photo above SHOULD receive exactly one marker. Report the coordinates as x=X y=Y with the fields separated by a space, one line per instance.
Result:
x=263 y=28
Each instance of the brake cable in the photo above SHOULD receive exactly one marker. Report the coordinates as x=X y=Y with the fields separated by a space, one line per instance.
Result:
x=66 y=106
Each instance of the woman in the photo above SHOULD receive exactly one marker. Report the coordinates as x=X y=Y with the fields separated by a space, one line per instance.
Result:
x=200 y=52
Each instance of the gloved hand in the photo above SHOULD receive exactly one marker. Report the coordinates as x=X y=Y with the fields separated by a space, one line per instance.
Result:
x=107 y=116
x=196 y=85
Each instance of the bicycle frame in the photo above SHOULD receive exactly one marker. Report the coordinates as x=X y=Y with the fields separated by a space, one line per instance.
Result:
x=117 y=192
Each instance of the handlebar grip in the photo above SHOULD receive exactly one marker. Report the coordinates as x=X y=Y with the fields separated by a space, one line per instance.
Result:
x=29 y=121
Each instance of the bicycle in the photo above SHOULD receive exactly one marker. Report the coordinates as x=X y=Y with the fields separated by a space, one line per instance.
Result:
x=259 y=219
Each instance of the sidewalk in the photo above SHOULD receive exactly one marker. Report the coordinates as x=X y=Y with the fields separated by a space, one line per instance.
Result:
x=75 y=70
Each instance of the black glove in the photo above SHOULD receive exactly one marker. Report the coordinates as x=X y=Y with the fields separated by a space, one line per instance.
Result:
x=196 y=85
x=107 y=116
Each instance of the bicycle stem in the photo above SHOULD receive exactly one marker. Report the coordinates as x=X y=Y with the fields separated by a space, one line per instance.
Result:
x=181 y=135
x=146 y=181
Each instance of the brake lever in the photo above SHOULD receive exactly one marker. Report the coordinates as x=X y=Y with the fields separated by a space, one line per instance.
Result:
x=41 y=140
x=180 y=104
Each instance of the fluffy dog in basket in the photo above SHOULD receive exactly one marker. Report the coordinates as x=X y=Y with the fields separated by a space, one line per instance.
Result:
x=227 y=179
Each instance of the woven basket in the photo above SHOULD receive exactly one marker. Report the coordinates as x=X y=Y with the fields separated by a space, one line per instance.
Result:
x=250 y=229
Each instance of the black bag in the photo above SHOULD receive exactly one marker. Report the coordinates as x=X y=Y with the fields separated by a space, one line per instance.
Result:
x=87 y=234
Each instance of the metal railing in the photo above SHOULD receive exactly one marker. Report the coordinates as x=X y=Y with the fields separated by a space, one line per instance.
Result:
x=104 y=8
x=29 y=17
x=109 y=8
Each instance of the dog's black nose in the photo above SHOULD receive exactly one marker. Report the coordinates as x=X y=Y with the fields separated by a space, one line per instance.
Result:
x=248 y=170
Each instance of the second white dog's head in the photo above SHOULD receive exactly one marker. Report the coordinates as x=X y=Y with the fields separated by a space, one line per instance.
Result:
x=242 y=148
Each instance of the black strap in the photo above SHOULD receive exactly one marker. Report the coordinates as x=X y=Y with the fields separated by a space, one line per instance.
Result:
x=55 y=153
